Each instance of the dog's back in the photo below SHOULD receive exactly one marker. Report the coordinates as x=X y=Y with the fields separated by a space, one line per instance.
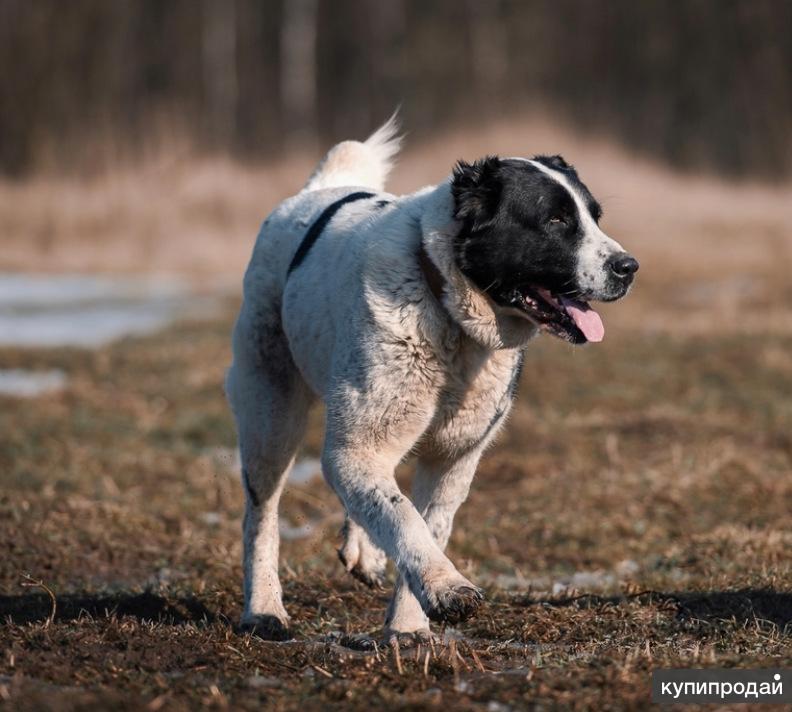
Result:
x=349 y=166
x=350 y=170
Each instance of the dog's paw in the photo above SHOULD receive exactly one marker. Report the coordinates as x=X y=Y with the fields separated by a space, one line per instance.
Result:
x=361 y=642
x=361 y=558
x=266 y=627
x=455 y=603
x=409 y=639
x=372 y=579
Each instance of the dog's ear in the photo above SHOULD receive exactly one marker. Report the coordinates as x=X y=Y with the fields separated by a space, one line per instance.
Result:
x=556 y=162
x=476 y=189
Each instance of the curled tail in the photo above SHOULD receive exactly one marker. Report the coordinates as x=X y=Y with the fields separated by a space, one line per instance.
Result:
x=352 y=163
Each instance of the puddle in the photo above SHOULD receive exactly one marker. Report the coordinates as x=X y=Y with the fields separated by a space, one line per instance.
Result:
x=19 y=383
x=89 y=311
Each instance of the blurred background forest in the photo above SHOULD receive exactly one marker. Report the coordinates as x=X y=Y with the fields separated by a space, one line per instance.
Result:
x=700 y=84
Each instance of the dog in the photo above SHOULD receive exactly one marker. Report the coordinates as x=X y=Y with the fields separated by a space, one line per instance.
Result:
x=408 y=316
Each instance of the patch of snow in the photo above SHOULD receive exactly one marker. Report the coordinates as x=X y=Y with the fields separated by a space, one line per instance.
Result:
x=494 y=706
x=211 y=519
x=31 y=291
x=290 y=532
x=20 y=383
x=305 y=470
x=262 y=681
x=226 y=458
x=597 y=580
x=89 y=311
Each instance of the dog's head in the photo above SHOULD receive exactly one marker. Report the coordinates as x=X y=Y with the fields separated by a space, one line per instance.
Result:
x=530 y=240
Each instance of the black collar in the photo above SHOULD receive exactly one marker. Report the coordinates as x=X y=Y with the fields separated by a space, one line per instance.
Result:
x=431 y=274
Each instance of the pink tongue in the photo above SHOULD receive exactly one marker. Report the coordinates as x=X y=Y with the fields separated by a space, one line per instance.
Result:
x=586 y=319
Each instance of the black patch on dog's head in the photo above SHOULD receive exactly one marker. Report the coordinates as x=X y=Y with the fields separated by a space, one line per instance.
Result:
x=519 y=226
x=557 y=163
x=477 y=189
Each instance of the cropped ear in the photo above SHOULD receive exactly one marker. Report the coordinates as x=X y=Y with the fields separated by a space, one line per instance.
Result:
x=476 y=189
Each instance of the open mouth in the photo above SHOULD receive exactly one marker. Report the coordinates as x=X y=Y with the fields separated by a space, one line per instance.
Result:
x=569 y=319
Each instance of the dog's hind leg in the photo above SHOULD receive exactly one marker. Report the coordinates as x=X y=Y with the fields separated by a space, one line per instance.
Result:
x=270 y=403
x=441 y=485
x=360 y=556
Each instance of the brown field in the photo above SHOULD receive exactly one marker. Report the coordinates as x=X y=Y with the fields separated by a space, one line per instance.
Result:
x=634 y=515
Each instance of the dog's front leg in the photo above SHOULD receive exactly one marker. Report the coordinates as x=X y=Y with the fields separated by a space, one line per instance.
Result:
x=365 y=482
x=441 y=485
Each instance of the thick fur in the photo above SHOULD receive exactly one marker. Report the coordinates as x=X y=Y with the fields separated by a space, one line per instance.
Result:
x=356 y=324
x=353 y=163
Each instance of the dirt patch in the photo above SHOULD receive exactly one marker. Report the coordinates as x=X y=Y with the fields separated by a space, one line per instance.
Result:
x=662 y=463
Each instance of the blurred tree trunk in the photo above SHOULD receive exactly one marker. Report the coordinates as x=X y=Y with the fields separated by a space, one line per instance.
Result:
x=220 y=71
x=384 y=50
x=298 y=70
x=488 y=50
x=701 y=83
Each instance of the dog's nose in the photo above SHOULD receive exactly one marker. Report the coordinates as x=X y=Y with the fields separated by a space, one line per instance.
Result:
x=623 y=265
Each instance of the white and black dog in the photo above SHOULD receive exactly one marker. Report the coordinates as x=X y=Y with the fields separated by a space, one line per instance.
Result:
x=408 y=316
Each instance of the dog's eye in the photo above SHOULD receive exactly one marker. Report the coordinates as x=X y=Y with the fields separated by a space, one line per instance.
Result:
x=557 y=220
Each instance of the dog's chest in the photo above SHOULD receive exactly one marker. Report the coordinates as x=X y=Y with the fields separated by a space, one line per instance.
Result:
x=475 y=397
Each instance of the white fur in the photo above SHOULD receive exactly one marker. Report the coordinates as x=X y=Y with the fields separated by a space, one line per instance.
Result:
x=357 y=325
x=355 y=163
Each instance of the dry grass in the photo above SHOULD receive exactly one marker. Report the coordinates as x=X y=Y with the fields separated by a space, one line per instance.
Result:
x=635 y=514
x=180 y=213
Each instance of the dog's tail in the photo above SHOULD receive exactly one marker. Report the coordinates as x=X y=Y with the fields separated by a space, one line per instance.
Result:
x=366 y=164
